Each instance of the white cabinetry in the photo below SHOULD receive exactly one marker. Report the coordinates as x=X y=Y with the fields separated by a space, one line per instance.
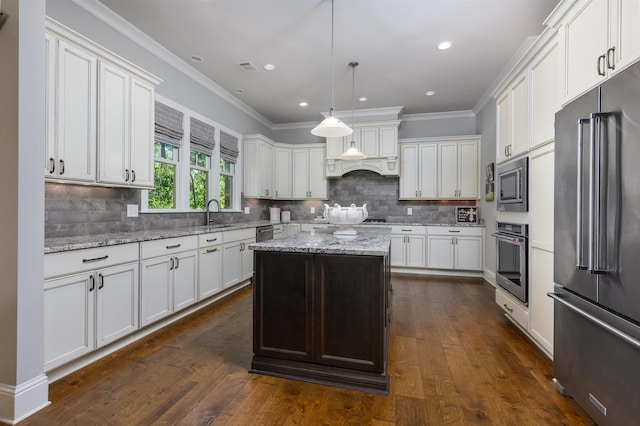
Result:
x=309 y=181
x=513 y=309
x=455 y=248
x=598 y=38
x=71 y=111
x=280 y=231
x=282 y=181
x=236 y=256
x=513 y=119
x=90 y=300
x=99 y=114
x=440 y=168
x=168 y=275
x=408 y=246
x=545 y=94
x=379 y=141
x=258 y=167
x=209 y=264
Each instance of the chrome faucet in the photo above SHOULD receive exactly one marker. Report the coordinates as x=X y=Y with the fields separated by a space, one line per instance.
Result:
x=209 y=209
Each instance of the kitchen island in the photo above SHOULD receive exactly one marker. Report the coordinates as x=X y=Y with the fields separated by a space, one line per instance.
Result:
x=322 y=309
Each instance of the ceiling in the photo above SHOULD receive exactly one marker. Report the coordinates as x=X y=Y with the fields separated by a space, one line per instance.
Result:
x=394 y=41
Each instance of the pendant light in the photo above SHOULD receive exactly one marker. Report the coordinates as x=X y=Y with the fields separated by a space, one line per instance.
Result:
x=332 y=126
x=353 y=154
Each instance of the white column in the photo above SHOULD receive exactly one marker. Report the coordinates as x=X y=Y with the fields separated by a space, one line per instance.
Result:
x=23 y=385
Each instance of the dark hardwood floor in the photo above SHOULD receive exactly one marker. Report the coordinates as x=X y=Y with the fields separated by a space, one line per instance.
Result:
x=454 y=359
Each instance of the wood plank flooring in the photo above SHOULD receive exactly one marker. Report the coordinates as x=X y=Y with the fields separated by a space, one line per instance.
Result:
x=454 y=360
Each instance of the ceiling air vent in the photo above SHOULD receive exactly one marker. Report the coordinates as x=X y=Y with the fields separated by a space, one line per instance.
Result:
x=247 y=67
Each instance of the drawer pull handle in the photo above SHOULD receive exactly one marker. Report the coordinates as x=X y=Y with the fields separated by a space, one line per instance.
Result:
x=211 y=250
x=507 y=307
x=173 y=246
x=212 y=239
x=95 y=259
x=454 y=231
x=406 y=230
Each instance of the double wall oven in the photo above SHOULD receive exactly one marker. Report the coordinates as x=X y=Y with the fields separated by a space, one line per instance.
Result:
x=511 y=258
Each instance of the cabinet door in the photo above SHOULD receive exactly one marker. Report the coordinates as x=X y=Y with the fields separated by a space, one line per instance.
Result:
x=209 y=271
x=335 y=147
x=439 y=252
x=113 y=130
x=282 y=173
x=388 y=141
x=232 y=261
x=503 y=126
x=540 y=305
x=369 y=141
x=294 y=228
x=68 y=318
x=468 y=173
x=625 y=31
x=246 y=256
x=317 y=180
x=544 y=94
x=519 y=115
x=185 y=282
x=265 y=167
x=398 y=247
x=584 y=40
x=116 y=302
x=141 y=133
x=300 y=173
x=468 y=253
x=415 y=250
x=250 y=168
x=409 y=171
x=428 y=171
x=50 y=156
x=448 y=170
x=156 y=296
x=76 y=113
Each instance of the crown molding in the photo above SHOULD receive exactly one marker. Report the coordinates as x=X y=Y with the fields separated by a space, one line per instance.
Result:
x=439 y=115
x=124 y=27
x=374 y=113
x=293 y=126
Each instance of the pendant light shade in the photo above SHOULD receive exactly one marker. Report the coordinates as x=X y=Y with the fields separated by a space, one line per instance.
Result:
x=353 y=154
x=332 y=126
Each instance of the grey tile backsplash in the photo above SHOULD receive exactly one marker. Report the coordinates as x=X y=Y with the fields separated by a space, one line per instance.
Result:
x=72 y=210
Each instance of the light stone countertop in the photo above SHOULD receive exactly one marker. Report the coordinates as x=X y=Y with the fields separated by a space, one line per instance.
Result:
x=367 y=242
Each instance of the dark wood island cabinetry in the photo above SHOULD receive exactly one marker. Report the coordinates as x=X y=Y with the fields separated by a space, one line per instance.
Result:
x=322 y=309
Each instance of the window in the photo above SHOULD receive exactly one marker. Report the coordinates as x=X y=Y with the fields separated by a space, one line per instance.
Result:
x=165 y=167
x=200 y=163
x=227 y=172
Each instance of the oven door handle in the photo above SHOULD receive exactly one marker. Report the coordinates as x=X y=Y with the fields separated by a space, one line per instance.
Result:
x=509 y=238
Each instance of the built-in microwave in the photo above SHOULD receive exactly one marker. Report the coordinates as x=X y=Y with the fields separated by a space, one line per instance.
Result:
x=512 y=186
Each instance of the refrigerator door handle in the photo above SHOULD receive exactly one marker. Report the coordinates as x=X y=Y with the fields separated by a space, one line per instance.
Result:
x=597 y=321
x=580 y=263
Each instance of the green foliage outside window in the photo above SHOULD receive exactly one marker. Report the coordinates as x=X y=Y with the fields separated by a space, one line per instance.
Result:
x=227 y=170
x=198 y=189
x=164 y=194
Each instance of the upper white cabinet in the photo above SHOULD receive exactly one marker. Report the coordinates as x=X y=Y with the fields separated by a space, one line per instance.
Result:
x=281 y=171
x=71 y=111
x=100 y=114
x=378 y=140
x=440 y=168
x=545 y=94
x=598 y=39
x=513 y=119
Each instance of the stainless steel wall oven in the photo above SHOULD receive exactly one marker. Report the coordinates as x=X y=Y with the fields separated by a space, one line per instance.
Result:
x=512 y=258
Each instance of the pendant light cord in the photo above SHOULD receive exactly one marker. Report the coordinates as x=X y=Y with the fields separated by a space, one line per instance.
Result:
x=353 y=98
x=331 y=108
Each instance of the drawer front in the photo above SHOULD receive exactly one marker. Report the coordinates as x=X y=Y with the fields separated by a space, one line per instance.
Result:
x=513 y=309
x=239 y=234
x=166 y=246
x=210 y=239
x=455 y=230
x=71 y=262
x=307 y=227
x=409 y=229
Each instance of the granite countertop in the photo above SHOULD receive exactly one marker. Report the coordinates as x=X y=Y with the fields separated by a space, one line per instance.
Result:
x=367 y=242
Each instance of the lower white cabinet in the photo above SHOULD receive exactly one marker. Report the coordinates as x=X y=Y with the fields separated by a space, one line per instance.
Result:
x=516 y=311
x=454 y=248
x=280 y=231
x=408 y=246
x=236 y=256
x=168 y=281
x=294 y=229
x=90 y=303
x=209 y=265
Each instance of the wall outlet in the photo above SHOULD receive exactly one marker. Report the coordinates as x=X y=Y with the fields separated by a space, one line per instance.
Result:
x=132 y=210
x=247 y=210
x=409 y=211
x=313 y=210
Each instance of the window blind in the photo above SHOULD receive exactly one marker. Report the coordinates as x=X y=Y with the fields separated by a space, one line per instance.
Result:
x=168 y=128
x=228 y=147
x=202 y=136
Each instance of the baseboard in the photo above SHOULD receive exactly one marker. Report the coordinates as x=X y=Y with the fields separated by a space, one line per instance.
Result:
x=21 y=401
x=490 y=277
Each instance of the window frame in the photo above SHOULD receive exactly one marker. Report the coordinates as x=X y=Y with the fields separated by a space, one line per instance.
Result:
x=183 y=168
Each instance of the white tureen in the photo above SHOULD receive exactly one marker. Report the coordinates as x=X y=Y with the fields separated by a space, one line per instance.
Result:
x=346 y=217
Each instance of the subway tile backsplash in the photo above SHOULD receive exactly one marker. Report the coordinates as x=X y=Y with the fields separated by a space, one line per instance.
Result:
x=72 y=210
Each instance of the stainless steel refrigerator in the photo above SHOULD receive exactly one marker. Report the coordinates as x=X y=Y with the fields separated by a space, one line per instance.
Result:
x=597 y=250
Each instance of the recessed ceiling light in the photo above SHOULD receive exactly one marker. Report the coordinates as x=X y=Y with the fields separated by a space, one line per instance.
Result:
x=363 y=99
x=238 y=91
x=303 y=104
x=444 y=45
x=430 y=93
x=269 y=67
x=195 y=58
